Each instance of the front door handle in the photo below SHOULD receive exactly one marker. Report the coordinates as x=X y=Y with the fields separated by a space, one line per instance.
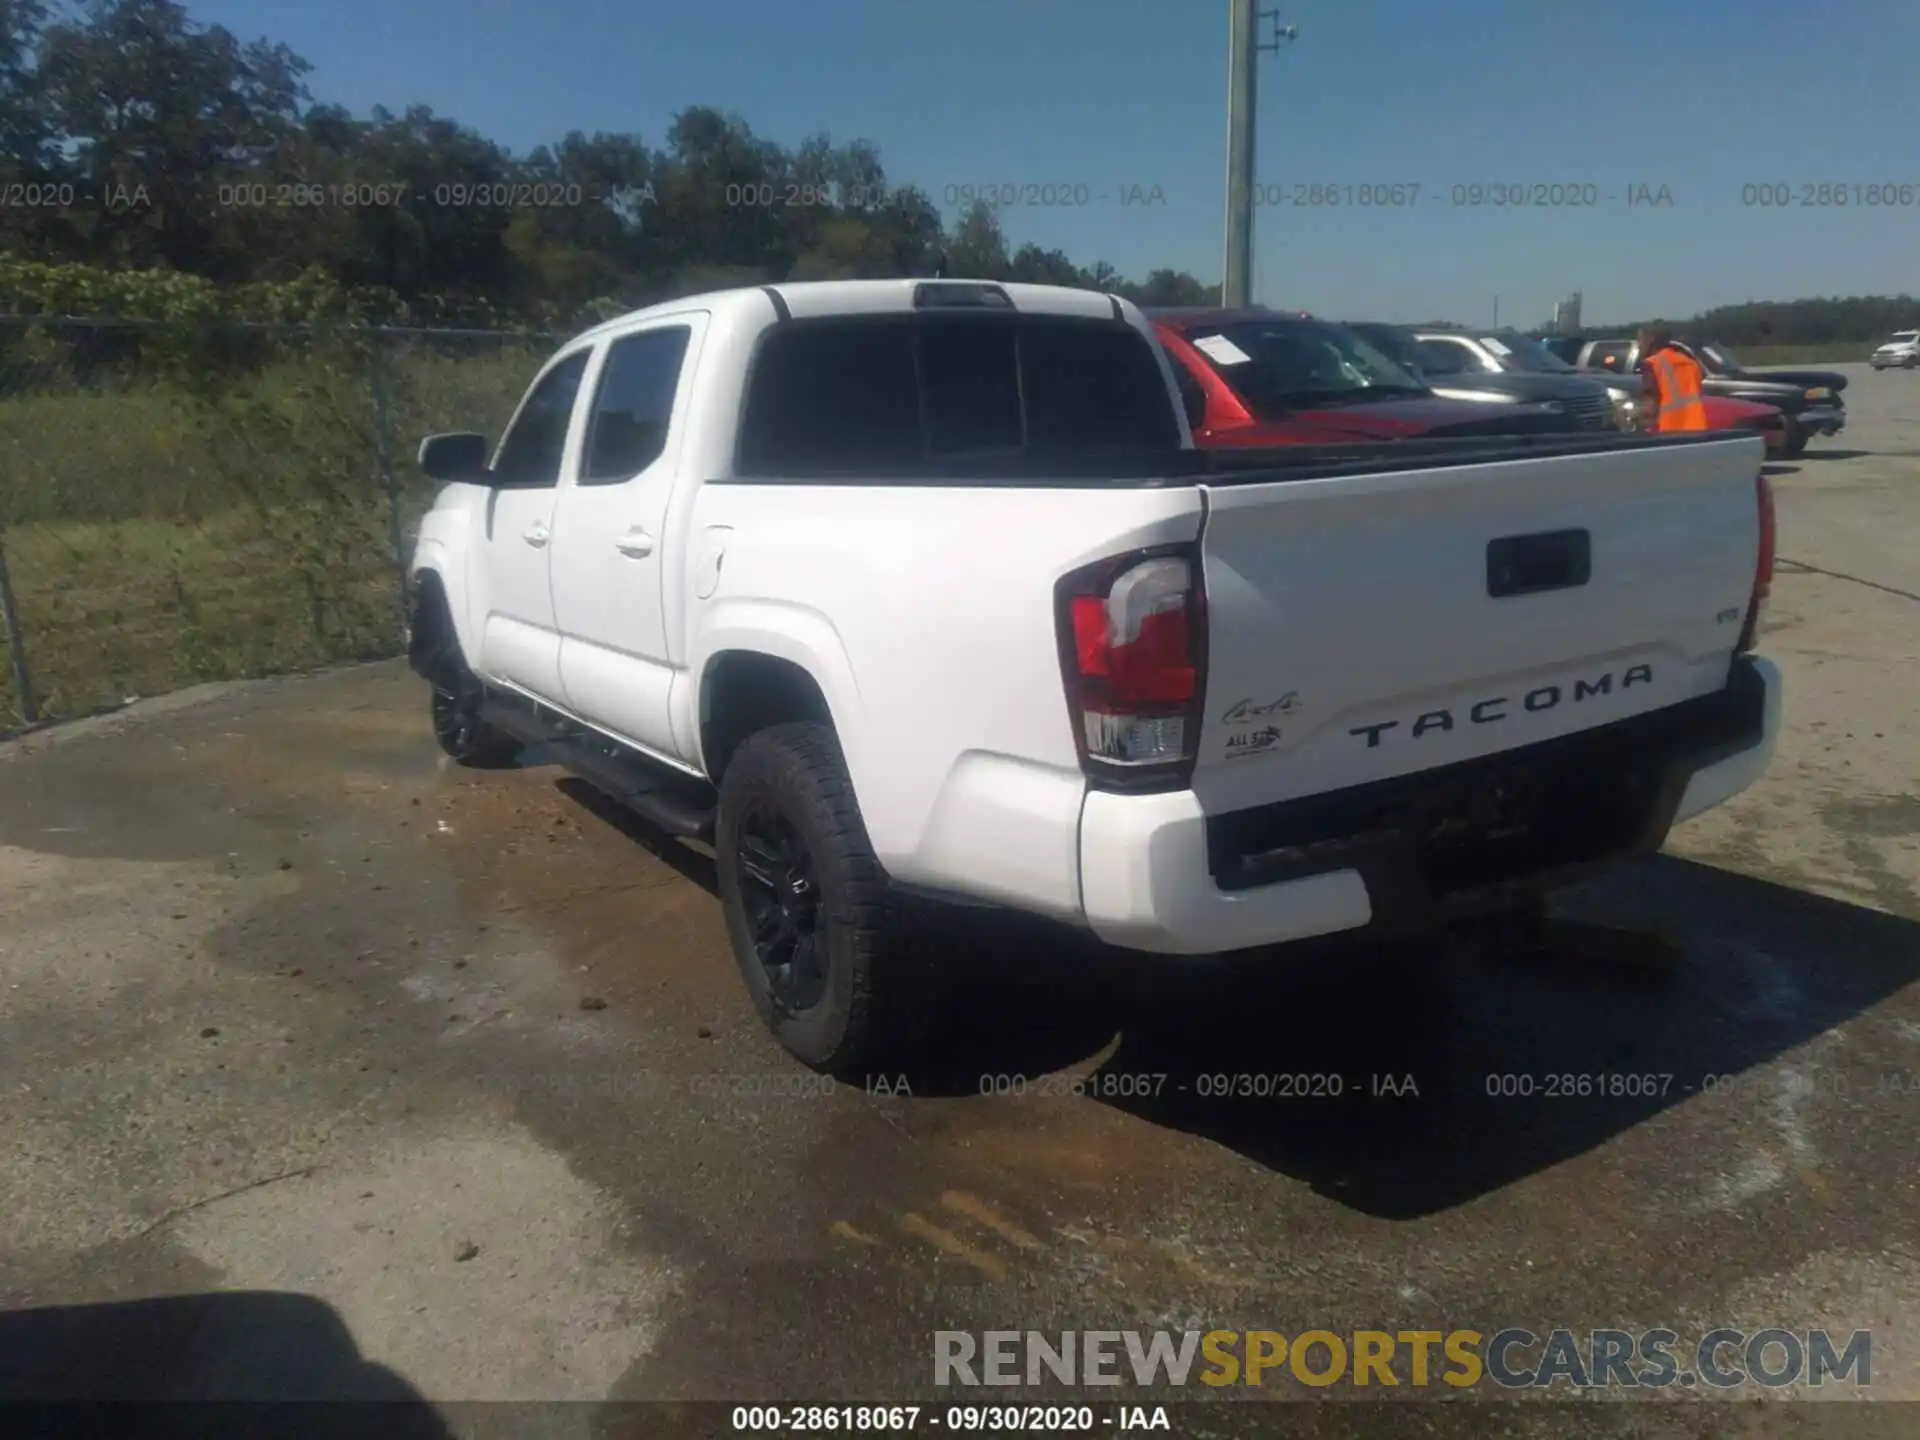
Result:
x=636 y=543
x=538 y=534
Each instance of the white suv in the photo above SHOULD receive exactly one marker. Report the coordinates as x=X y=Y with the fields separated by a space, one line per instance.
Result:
x=1902 y=349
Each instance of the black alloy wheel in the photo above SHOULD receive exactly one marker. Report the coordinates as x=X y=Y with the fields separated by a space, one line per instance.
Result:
x=456 y=715
x=781 y=895
x=458 y=727
x=813 y=925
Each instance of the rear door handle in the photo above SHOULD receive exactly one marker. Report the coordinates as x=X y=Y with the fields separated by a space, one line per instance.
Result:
x=538 y=534
x=636 y=543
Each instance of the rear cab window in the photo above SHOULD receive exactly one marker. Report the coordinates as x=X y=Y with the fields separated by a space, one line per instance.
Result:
x=864 y=395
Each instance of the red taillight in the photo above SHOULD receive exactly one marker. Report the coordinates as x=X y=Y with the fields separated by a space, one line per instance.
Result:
x=1762 y=570
x=1133 y=633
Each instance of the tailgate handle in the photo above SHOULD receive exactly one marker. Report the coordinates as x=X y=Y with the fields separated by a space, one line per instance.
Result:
x=1529 y=564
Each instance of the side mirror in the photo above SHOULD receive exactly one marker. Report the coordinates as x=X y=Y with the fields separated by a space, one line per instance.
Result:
x=459 y=455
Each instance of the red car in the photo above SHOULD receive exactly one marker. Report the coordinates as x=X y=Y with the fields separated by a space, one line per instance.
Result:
x=1263 y=377
x=1727 y=414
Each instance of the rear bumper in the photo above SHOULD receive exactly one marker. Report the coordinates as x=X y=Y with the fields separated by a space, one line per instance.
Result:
x=1157 y=874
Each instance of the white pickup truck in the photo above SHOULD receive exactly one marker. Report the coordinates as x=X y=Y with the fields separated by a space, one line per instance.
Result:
x=920 y=588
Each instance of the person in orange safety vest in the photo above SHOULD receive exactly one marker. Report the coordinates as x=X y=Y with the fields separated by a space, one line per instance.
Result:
x=1671 y=378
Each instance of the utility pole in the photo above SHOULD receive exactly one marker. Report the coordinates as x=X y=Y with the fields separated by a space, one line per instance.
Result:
x=1244 y=49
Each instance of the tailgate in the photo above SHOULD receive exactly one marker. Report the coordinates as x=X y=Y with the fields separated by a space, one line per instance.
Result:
x=1366 y=626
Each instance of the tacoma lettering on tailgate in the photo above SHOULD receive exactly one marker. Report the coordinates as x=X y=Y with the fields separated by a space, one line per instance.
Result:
x=1495 y=707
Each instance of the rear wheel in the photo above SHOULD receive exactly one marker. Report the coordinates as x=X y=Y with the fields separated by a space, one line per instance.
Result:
x=806 y=903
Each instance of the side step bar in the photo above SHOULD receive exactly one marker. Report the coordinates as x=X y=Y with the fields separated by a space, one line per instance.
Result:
x=679 y=805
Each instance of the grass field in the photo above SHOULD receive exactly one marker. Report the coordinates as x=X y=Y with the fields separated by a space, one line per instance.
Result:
x=114 y=609
x=161 y=534
x=1805 y=354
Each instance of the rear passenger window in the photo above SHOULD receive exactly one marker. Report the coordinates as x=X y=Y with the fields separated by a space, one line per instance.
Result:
x=863 y=395
x=628 y=430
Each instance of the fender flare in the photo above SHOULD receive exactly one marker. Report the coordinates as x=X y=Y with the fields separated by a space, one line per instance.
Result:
x=798 y=634
x=433 y=557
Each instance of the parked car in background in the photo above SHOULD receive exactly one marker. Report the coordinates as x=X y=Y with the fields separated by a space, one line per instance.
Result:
x=1266 y=377
x=1498 y=367
x=1762 y=420
x=1900 y=352
x=1810 y=399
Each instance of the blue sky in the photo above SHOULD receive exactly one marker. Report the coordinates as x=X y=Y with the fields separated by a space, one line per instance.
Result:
x=1612 y=94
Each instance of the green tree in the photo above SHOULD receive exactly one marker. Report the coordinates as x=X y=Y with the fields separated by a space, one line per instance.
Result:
x=978 y=250
x=1171 y=288
x=199 y=138
x=150 y=105
x=1033 y=266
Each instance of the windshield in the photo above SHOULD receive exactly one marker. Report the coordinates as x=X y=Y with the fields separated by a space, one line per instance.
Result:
x=1281 y=365
x=1523 y=352
x=1904 y=337
x=1720 y=359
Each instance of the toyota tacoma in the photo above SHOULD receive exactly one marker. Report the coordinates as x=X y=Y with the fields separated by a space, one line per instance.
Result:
x=906 y=589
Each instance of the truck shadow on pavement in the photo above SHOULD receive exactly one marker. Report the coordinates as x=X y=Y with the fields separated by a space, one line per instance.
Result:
x=222 y=1363
x=1405 y=1079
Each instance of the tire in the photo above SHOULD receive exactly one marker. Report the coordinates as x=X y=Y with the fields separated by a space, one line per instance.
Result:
x=1796 y=446
x=807 y=908
x=463 y=737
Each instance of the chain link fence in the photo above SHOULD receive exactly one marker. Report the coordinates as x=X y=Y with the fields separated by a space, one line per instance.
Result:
x=189 y=503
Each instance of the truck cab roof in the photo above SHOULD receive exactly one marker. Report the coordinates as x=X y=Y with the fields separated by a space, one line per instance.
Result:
x=821 y=299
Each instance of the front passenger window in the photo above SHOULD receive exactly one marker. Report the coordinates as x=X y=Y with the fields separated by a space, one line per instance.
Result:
x=529 y=456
